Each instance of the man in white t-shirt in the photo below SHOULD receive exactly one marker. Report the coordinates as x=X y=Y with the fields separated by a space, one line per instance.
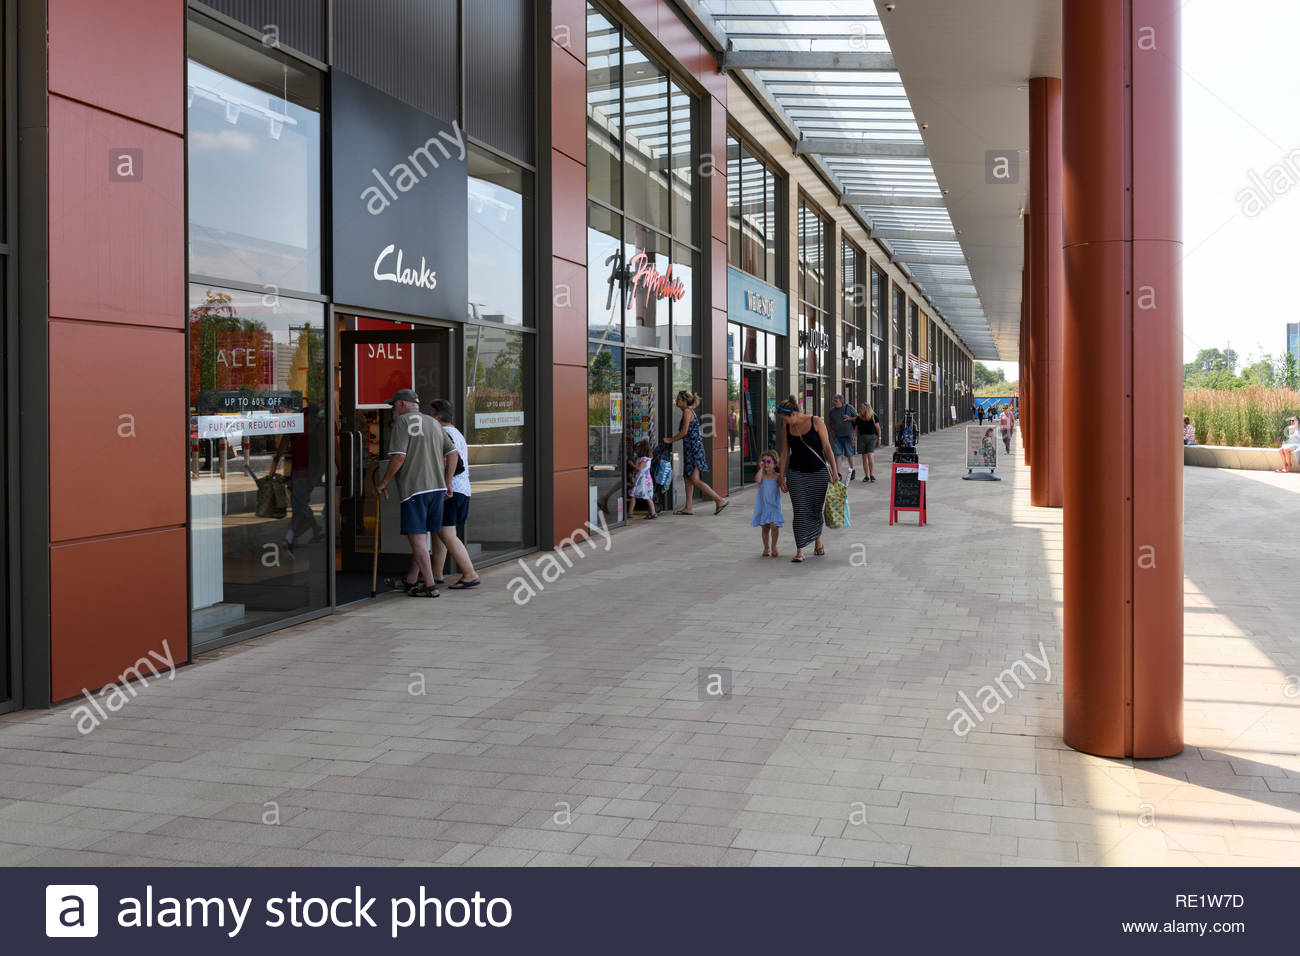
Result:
x=456 y=511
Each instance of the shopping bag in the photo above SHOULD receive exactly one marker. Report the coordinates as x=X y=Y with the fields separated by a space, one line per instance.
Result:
x=836 y=511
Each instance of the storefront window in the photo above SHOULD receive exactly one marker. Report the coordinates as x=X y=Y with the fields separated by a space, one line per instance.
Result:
x=498 y=260
x=751 y=213
x=604 y=109
x=259 y=447
x=498 y=428
x=254 y=143
x=642 y=257
x=604 y=274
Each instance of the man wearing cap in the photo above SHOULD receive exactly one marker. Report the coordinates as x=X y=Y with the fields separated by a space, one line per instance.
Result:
x=840 y=420
x=419 y=459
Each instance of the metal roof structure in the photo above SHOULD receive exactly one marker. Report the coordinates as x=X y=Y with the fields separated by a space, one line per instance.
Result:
x=824 y=70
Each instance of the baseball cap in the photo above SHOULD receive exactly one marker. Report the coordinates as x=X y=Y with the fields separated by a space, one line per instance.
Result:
x=404 y=395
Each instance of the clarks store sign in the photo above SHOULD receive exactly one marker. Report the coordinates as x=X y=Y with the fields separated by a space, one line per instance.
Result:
x=400 y=205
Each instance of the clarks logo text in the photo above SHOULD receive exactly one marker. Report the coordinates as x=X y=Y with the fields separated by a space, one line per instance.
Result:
x=424 y=278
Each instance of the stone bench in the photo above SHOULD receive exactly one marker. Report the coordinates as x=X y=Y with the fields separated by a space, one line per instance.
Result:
x=1222 y=456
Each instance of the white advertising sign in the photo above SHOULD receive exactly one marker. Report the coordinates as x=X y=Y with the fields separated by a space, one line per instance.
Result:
x=498 y=419
x=236 y=427
x=923 y=472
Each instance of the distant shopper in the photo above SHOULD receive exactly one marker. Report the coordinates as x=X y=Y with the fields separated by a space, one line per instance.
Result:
x=643 y=484
x=1008 y=424
x=694 y=463
x=1189 y=431
x=767 y=503
x=840 y=420
x=867 y=426
x=1290 y=445
x=806 y=459
x=980 y=412
x=455 y=512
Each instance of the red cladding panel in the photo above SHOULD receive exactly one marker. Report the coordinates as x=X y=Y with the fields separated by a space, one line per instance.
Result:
x=571 y=502
x=117 y=245
x=569 y=27
x=127 y=56
x=117 y=429
x=570 y=435
x=569 y=305
x=112 y=602
x=569 y=208
x=568 y=105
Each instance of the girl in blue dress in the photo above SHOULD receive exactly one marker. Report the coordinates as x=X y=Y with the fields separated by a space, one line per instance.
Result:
x=767 y=503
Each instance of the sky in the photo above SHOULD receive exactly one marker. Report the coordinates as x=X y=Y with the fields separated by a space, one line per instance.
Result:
x=1241 y=115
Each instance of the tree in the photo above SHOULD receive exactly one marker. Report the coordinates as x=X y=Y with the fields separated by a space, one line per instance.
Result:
x=1288 y=371
x=1261 y=372
x=987 y=376
x=1212 y=360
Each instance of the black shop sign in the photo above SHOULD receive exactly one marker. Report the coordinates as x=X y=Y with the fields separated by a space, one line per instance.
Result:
x=814 y=339
x=399 y=183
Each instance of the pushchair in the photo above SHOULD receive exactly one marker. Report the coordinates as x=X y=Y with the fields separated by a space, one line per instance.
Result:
x=661 y=470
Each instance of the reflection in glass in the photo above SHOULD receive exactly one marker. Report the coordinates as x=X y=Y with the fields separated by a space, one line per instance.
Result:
x=683 y=309
x=604 y=275
x=497 y=426
x=604 y=114
x=254 y=144
x=257 y=482
x=683 y=170
x=496 y=239
x=646 y=156
x=753 y=218
x=733 y=202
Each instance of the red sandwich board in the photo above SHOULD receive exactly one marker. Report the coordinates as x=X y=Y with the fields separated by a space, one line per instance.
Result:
x=909 y=494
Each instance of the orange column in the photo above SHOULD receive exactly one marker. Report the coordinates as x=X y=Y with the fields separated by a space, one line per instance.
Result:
x=1026 y=368
x=1046 y=279
x=1123 y=546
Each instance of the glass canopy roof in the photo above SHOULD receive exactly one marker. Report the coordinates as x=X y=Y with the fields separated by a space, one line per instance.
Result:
x=824 y=68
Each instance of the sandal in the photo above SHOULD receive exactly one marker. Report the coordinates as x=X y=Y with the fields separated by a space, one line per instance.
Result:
x=718 y=509
x=423 y=591
x=798 y=559
x=819 y=552
x=681 y=511
x=767 y=552
x=399 y=584
x=463 y=585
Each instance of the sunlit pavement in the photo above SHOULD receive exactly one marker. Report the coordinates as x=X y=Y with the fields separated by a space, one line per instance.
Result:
x=574 y=730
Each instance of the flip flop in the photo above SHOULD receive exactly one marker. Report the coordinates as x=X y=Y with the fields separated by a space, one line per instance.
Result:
x=718 y=509
x=797 y=560
x=464 y=585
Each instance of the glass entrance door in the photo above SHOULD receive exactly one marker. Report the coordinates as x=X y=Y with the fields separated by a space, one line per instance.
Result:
x=647 y=419
x=374 y=363
x=753 y=421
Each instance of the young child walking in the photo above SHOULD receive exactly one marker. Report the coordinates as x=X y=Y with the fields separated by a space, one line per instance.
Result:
x=643 y=485
x=767 y=503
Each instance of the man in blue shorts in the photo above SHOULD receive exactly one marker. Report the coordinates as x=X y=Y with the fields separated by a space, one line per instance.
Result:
x=418 y=449
x=840 y=422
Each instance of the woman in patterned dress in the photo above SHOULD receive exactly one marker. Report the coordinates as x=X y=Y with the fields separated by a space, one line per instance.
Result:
x=693 y=461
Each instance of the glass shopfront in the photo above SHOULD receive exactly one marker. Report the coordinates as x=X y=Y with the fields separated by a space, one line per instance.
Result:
x=815 y=308
x=854 y=345
x=898 y=369
x=258 y=400
x=642 y=258
x=285 y=389
x=753 y=370
x=879 y=357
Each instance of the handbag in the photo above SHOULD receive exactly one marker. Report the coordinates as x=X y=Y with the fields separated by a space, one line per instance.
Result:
x=836 y=510
x=272 y=497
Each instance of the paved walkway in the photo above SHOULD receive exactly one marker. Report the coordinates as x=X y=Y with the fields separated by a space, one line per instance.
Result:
x=573 y=731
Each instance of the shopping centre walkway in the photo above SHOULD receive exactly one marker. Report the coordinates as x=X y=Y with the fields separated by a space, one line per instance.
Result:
x=572 y=731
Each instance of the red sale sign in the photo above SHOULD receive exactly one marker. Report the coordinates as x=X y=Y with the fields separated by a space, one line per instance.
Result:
x=383 y=367
x=245 y=360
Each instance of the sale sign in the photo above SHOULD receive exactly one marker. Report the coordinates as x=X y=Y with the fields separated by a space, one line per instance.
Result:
x=245 y=360
x=383 y=367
